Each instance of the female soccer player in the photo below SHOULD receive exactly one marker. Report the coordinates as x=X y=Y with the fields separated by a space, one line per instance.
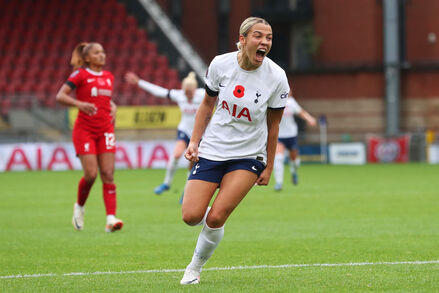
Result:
x=238 y=146
x=188 y=99
x=93 y=133
x=288 y=140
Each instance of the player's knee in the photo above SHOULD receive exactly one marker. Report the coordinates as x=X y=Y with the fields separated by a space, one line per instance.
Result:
x=90 y=175
x=215 y=219
x=191 y=218
x=107 y=175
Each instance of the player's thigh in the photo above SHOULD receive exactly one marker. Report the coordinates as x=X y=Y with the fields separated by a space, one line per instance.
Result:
x=234 y=187
x=197 y=196
x=89 y=164
x=106 y=166
x=180 y=147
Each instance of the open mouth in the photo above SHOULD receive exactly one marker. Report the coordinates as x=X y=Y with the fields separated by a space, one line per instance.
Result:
x=260 y=54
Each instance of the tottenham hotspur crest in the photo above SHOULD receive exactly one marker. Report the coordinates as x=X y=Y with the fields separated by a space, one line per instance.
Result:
x=257 y=97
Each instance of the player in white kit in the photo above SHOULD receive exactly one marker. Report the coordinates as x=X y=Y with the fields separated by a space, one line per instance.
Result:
x=188 y=100
x=239 y=142
x=288 y=132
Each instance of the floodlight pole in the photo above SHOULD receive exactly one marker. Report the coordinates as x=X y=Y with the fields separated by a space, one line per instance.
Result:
x=391 y=65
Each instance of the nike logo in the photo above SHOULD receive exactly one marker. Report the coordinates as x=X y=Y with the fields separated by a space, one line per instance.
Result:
x=91 y=80
x=221 y=85
x=254 y=168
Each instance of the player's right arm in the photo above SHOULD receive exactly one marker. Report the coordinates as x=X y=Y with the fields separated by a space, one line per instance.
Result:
x=64 y=97
x=202 y=119
x=151 y=88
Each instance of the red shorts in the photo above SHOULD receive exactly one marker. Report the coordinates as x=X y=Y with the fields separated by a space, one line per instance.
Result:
x=88 y=142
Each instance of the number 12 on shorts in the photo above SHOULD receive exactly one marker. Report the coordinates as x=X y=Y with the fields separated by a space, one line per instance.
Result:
x=109 y=140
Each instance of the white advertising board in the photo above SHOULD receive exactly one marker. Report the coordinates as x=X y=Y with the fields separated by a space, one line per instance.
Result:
x=347 y=153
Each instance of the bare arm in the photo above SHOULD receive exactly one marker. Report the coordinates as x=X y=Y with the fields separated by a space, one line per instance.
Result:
x=63 y=97
x=273 y=120
x=202 y=119
x=307 y=117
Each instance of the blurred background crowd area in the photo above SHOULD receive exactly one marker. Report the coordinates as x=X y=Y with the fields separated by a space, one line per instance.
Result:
x=341 y=58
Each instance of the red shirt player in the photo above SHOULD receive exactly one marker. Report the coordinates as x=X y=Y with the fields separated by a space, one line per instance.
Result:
x=93 y=133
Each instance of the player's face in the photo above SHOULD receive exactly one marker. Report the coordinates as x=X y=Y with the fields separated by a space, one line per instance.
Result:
x=257 y=43
x=96 y=56
x=189 y=91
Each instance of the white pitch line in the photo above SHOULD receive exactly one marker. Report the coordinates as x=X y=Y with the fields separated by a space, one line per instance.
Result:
x=351 y=264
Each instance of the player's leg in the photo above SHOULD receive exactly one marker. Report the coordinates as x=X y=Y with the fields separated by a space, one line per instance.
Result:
x=106 y=168
x=234 y=186
x=279 y=166
x=90 y=169
x=85 y=148
x=294 y=161
x=180 y=147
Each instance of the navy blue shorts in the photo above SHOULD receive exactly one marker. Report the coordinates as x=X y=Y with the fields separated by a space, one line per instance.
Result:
x=290 y=142
x=183 y=136
x=214 y=171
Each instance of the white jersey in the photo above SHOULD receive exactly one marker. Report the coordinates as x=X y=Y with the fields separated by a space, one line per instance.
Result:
x=188 y=110
x=288 y=126
x=238 y=128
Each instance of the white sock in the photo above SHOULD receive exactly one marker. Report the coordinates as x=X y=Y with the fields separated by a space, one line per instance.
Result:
x=170 y=171
x=279 y=168
x=110 y=218
x=294 y=165
x=207 y=242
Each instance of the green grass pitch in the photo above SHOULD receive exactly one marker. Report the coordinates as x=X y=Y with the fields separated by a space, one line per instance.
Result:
x=336 y=215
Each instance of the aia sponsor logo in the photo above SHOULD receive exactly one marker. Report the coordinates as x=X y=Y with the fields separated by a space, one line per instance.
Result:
x=237 y=112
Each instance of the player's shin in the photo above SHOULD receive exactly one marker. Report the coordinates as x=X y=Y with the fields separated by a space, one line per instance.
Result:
x=109 y=191
x=83 y=191
x=279 y=168
x=208 y=240
x=170 y=170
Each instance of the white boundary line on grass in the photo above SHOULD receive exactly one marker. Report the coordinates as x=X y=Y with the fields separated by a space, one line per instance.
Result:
x=352 y=264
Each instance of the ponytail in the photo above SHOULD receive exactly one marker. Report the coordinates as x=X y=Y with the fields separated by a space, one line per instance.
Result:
x=77 y=60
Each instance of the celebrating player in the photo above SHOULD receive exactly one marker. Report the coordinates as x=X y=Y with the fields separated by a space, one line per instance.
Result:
x=188 y=99
x=237 y=150
x=288 y=140
x=93 y=133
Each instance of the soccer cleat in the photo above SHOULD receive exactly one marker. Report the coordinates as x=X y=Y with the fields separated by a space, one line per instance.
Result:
x=113 y=224
x=278 y=187
x=190 y=277
x=162 y=187
x=78 y=217
x=295 y=179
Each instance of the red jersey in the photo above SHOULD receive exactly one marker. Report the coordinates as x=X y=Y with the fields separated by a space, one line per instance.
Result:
x=96 y=88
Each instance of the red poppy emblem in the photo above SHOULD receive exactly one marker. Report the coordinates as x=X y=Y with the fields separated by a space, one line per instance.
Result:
x=239 y=91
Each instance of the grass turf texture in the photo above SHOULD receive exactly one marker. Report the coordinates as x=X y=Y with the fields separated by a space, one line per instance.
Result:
x=337 y=214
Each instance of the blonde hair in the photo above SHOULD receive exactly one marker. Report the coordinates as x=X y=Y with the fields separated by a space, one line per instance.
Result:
x=190 y=80
x=79 y=54
x=247 y=24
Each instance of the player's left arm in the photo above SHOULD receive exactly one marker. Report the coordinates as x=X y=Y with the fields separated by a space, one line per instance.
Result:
x=307 y=117
x=273 y=119
x=113 y=111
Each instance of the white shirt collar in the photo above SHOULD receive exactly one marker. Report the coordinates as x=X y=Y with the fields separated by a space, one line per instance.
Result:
x=93 y=72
